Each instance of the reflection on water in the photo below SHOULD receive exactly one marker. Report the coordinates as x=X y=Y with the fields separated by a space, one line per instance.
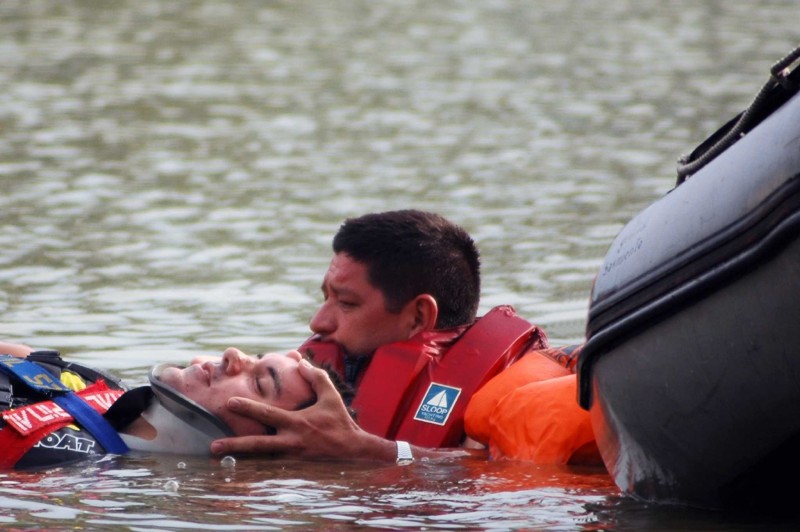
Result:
x=168 y=492
x=172 y=493
x=171 y=174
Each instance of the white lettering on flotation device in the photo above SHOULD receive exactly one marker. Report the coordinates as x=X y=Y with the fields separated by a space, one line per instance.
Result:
x=19 y=420
x=433 y=409
x=67 y=442
x=102 y=401
x=33 y=417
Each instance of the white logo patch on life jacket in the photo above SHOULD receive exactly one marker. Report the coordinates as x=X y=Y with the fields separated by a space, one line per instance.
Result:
x=437 y=403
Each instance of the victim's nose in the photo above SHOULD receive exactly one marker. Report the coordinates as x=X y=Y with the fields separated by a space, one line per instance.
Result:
x=233 y=361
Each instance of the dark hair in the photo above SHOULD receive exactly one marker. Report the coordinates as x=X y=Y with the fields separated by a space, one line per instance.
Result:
x=411 y=252
x=346 y=391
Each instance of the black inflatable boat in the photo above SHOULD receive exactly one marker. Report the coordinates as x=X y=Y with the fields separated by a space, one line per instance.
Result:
x=691 y=370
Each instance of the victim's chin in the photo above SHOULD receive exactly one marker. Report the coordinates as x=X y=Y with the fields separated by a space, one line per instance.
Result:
x=173 y=377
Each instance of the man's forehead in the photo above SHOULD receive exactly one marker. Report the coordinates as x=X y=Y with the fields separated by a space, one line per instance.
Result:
x=344 y=269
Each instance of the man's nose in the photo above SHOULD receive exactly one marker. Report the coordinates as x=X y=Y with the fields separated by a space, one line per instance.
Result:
x=323 y=321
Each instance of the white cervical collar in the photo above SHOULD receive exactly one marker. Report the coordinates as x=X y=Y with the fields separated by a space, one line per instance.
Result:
x=182 y=426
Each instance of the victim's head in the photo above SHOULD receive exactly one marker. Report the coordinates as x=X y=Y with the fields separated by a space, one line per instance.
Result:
x=273 y=379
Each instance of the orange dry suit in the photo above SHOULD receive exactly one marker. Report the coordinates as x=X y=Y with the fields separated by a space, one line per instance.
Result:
x=417 y=390
x=531 y=412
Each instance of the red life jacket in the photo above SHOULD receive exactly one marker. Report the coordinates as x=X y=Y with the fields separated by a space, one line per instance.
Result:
x=26 y=425
x=417 y=390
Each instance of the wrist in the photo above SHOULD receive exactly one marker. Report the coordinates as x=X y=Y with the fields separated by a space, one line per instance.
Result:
x=404 y=454
x=372 y=447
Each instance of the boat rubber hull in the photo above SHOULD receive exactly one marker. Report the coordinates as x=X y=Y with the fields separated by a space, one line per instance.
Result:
x=691 y=370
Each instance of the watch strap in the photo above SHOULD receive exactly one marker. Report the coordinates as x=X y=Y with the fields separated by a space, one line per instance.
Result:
x=404 y=455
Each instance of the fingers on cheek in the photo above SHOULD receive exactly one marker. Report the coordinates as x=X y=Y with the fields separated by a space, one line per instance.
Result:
x=247 y=406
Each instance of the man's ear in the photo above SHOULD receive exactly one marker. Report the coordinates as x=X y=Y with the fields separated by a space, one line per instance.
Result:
x=425 y=311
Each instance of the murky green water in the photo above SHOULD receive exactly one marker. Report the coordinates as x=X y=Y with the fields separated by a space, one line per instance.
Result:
x=171 y=174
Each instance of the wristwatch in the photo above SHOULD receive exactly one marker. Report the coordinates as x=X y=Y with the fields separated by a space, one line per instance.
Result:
x=404 y=456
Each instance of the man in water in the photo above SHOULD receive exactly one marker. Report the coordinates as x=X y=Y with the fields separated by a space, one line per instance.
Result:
x=181 y=411
x=398 y=323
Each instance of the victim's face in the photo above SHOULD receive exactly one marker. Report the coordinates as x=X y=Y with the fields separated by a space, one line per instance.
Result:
x=273 y=379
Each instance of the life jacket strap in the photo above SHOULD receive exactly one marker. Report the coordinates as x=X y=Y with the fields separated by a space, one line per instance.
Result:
x=394 y=393
x=92 y=422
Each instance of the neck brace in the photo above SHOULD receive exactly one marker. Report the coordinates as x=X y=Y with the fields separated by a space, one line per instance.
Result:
x=182 y=426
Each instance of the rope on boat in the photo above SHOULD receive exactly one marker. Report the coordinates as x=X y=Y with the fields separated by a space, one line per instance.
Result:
x=779 y=76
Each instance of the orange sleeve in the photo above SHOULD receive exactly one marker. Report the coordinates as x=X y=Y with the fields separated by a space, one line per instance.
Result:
x=530 y=412
x=543 y=422
x=530 y=368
